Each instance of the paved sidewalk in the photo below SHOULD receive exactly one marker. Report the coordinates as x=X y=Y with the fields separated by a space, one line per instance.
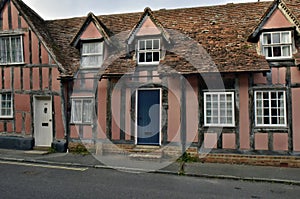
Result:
x=209 y=170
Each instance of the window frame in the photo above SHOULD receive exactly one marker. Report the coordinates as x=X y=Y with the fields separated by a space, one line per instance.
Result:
x=219 y=124
x=280 y=44
x=153 y=50
x=100 y=54
x=11 y=51
x=81 y=121
x=11 y=106
x=270 y=108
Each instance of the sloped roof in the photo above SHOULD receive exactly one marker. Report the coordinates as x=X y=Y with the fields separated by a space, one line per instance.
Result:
x=37 y=23
x=222 y=31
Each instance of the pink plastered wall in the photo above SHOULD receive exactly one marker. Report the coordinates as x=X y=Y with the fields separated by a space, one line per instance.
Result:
x=280 y=141
x=261 y=141
x=115 y=107
x=295 y=75
x=91 y=32
x=102 y=95
x=210 y=140
x=244 y=112
x=192 y=107
x=174 y=110
x=259 y=78
x=278 y=75
x=60 y=133
x=229 y=140
x=148 y=28
x=277 y=20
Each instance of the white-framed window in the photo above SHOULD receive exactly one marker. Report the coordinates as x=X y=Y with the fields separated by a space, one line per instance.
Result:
x=219 y=109
x=82 y=110
x=6 y=105
x=92 y=54
x=149 y=51
x=11 y=49
x=270 y=108
x=277 y=45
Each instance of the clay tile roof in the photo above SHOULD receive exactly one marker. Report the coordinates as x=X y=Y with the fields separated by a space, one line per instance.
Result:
x=221 y=30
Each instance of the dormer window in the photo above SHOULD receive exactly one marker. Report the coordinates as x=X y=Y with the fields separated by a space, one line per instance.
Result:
x=11 y=49
x=92 y=55
x=277 y=45
x=148 y=51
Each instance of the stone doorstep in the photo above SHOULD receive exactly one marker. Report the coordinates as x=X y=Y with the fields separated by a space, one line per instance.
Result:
x=36 y=152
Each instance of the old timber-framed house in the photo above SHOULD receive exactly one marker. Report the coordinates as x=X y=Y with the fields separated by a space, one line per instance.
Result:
x=224 y=78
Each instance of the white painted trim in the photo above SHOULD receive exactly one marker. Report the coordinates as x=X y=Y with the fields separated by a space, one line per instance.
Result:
x=233 y=109
x=145 y=51
x=290 y=44
x=255 y=108
x=136 y=113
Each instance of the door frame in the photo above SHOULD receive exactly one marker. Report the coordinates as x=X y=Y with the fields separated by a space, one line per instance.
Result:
x=35 y=99
x=136 y=112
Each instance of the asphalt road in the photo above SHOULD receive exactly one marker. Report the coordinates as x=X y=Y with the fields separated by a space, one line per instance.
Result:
x=33 y=181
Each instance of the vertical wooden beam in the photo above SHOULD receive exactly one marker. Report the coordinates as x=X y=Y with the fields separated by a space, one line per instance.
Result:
x=3 y=78
x=9 y=15
x=40 y=52
x=200 y=113
x=289 y=109
x=41 y=78
x=165 y=105
x=95 y=113
x=251 y=111
x=270 y=141
x=108 y=109
x=132 y=113
x=236 y=112
x=183 y=113
x=50 y=78
x=122 y=113
x=30 y=46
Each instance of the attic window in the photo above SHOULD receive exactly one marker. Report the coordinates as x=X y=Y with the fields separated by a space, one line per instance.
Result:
x=92 y=55
x=149 y=51
x=11 y=50
x=277 y=45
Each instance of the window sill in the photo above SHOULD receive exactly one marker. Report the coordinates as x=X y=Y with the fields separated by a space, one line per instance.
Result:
x=12 y=64
x=86 y=124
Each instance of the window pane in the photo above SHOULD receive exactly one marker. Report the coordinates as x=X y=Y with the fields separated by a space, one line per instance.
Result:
x=285 y=37
x=142 y=57
x=87 y=111
x=149 y=57
x=76 y=110
x=156 y=44
x=6 y=104
x=286 y=51
x=276 y=38
x=155 y=56
x=267 y=38
x=142 y=45
x=149 y=44
x=276 y=51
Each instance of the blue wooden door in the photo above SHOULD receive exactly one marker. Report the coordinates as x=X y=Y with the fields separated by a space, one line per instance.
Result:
x=148 y=117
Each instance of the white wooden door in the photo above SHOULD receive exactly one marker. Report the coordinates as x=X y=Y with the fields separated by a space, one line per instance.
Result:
x=43 y=121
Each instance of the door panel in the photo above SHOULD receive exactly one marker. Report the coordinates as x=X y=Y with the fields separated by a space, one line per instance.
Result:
x=148 y=117
x=43 y=121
